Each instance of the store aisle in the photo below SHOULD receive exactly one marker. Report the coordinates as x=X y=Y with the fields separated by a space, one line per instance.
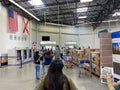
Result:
x=15 y=78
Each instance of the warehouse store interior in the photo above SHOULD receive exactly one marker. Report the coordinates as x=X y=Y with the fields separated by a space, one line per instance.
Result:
x=86 y=31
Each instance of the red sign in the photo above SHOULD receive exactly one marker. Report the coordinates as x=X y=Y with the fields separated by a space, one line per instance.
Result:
x=25 y=30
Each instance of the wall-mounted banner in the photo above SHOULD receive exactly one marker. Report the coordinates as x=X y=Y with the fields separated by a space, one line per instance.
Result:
x=12 y=21
x=25 y=29
x=116 y=42
x=105 y=30
x=116 y=54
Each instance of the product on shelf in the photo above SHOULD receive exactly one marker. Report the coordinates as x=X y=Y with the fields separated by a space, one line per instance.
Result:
x=95 y=62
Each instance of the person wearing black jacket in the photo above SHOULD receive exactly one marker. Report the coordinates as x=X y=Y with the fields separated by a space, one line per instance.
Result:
x=37 y=64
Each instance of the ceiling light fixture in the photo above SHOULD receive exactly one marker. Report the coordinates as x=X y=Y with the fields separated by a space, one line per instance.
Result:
x=82 y=17
x=82 y=9
x=35 y=2
x=116 y=14
x=84 y=1
x=58 y=24
x=12 y=1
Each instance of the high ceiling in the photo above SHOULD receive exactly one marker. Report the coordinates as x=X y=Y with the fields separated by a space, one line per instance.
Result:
x=65 y=11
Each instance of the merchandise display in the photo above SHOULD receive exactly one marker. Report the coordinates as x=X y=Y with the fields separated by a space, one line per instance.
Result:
x=116 y=54
x=76 y=54
x=95 y=63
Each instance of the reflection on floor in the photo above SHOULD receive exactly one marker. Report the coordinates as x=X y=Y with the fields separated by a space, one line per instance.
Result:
x=16 y=78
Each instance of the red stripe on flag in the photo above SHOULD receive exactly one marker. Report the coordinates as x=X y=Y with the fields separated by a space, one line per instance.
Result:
x=13 y=23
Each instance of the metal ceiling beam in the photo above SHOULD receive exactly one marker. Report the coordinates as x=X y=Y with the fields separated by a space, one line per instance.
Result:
x=62 y=3
x=104 y=14
x=22 y=0
x=70 y=8
x=68 y=13
x=69 y=19
x=59 y=11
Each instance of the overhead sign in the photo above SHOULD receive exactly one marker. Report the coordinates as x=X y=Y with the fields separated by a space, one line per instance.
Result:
x=70 y=43
x=34 y=43
x=48 y=42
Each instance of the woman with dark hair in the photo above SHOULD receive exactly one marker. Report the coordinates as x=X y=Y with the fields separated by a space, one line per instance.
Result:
x=55 y=79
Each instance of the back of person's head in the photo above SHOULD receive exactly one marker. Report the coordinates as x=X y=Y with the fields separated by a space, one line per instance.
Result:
x=57 y=47
x=56 y=67
x=48 y=54
x=55 y=79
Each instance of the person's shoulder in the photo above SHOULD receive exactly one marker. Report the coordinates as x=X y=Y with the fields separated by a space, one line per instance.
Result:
x=40 y=85
x=69 y=79
x=72 y=85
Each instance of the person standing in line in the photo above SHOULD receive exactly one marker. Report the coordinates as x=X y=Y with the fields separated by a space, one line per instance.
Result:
x=55 y=79
x=61 y=52
x=37 y=64
x=57 y=53
x=47 y=60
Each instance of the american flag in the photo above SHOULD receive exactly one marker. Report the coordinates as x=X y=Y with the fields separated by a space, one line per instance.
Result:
x=12 y=21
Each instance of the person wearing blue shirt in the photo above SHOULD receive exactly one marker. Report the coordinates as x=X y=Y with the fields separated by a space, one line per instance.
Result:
x=47 y=60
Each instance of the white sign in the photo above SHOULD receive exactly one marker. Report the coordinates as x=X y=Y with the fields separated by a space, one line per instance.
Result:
x=48 y=42
x=70 y=43
x=104 y=72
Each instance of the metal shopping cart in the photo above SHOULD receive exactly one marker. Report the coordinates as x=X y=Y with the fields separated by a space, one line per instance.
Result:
x=68 y=61
x=84 y=65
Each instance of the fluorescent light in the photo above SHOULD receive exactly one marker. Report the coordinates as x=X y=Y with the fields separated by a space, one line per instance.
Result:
x=35 y=2
x=84 y=1
x=116 y=14
x=12 y=1
x=58 y=24
x=82 y=9
x=82 y=17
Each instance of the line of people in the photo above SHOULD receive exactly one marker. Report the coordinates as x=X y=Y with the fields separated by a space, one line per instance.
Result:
x=45 y=57
x=54 y=78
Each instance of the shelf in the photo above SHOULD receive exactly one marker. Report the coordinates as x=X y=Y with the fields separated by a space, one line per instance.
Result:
x=97 y=73
x=94 y=52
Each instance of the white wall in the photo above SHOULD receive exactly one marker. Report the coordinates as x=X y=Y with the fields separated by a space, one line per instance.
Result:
x=57 y=33
x=5 y=42
x=84 y=36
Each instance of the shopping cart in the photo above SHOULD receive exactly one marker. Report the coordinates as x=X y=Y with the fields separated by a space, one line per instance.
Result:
x=84 y=65
x=68 y=61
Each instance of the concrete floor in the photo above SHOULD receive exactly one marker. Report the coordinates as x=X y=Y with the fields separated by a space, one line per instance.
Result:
x=16 y=78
